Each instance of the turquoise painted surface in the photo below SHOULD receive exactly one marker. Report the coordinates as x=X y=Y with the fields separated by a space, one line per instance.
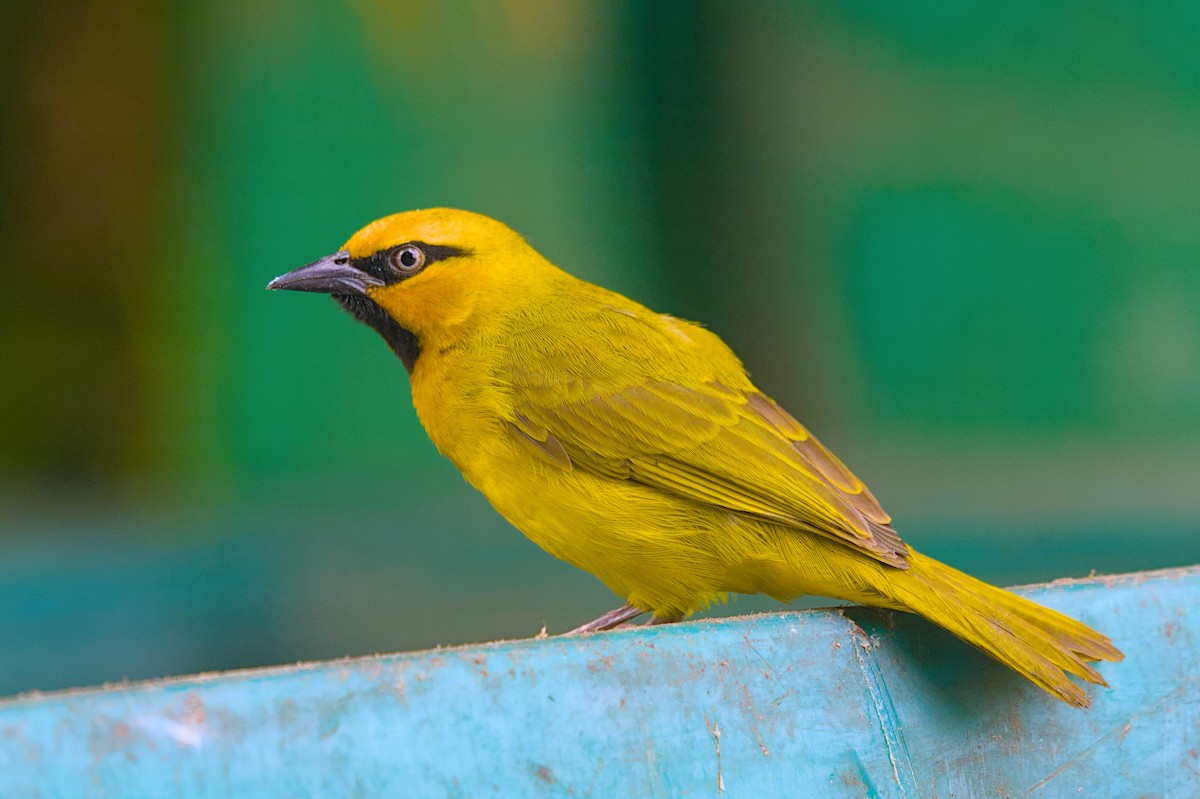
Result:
x=817 y=703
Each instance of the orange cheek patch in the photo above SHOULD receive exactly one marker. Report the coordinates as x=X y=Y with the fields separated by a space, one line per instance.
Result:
x=423 y=303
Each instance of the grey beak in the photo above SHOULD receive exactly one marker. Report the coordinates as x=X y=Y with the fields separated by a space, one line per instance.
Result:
x=333 y=274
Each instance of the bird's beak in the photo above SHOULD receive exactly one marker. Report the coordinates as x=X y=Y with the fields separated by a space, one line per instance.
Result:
x=333 y=274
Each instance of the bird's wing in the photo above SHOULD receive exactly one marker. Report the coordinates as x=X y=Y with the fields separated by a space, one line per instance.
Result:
x=678 y=419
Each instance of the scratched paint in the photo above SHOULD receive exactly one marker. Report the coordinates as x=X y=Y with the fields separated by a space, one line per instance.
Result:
x=815 y=703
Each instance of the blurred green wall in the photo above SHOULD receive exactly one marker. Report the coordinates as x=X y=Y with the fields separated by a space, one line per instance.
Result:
x=960 y=243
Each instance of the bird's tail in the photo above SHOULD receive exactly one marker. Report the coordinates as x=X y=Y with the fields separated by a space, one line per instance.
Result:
x=1040 y=643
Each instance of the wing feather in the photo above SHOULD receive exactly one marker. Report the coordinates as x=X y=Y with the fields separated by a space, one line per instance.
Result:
x=698 y=430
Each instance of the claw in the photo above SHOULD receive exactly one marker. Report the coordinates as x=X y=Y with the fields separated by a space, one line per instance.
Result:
x=609 y=620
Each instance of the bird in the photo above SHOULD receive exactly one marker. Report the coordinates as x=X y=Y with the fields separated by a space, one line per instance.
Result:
x=634 y=446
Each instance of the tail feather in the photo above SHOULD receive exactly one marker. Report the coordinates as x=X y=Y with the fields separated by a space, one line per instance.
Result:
x=1037 y=642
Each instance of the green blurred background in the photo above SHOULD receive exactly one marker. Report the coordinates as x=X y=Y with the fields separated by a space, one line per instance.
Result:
x=960 y=242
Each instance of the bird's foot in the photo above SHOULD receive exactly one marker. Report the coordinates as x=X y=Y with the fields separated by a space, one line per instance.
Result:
x=609 y=620
x=656 y=620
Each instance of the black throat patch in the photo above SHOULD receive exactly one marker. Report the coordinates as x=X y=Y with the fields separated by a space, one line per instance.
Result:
x=403 y=342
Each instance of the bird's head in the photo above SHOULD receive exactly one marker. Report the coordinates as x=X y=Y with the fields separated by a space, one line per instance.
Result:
x=422 y=278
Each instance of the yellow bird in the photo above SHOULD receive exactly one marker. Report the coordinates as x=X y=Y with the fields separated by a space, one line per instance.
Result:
x=633 y=445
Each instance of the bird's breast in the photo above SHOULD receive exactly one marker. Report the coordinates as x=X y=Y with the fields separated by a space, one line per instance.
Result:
x=460 y=404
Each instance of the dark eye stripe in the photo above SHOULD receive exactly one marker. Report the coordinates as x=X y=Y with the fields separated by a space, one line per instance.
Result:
x=376 y=264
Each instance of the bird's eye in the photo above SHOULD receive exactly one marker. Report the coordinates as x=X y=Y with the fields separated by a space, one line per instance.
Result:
x=408 y=259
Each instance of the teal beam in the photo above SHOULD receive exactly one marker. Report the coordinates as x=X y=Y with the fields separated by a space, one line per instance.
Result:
x=840 y=703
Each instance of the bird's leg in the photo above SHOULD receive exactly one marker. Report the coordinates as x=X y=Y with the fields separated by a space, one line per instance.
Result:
x=656 y=620
x=609 y=620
